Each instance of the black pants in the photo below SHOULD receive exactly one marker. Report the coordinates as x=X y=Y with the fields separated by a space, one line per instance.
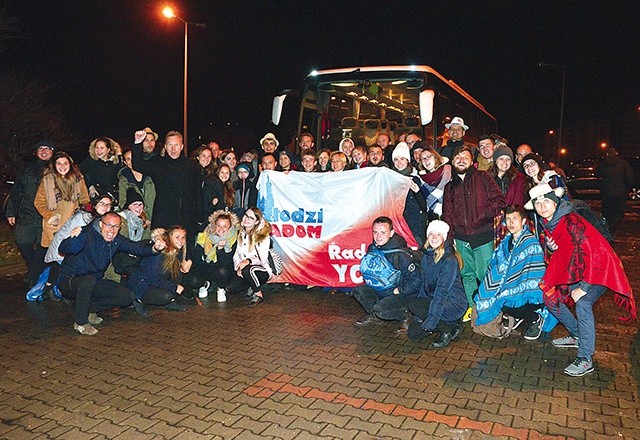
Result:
x=155 y=296
x=92 y=295
x=526 y=312
x=420 y=307
x=218 y=275
x=28 y=242
x=389 y=307
x=253 y=277
x=613 y=211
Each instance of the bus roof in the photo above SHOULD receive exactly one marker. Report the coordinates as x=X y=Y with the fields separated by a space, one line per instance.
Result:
x=402 y=68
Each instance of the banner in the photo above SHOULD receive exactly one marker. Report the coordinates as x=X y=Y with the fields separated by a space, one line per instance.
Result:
x=321 y=222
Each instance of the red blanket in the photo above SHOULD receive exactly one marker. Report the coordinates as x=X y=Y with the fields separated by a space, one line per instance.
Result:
x=584 y=255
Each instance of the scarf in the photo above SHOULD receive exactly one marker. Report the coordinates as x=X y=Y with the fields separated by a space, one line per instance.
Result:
x=52 y=194
x=433 y=188
x=134 y=225
x=209 y=240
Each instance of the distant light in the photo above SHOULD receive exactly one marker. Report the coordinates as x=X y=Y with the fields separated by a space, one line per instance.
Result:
x=314 y=73
x=168 y=12
x=603 y=145
x=563 y=151
x=551 y=132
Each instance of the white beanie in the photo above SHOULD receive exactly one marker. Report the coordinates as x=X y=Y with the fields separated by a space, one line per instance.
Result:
x=439 y=227
x=401 y=150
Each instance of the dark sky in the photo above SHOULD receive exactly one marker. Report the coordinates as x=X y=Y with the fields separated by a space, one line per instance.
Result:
x=116 y=65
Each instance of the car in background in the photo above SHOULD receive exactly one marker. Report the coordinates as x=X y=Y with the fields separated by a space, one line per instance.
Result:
x=583 y=183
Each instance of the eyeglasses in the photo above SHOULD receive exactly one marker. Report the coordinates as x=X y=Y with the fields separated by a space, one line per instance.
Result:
x=104 y=203
x=529 y=165
x=249 y=217
x=426 y=157
x=110 y=226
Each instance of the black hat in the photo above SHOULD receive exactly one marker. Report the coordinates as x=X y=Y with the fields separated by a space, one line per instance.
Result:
x=43 y=143
x=133 y=196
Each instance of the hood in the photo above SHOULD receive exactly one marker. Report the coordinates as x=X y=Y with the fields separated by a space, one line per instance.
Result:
x=563 y=209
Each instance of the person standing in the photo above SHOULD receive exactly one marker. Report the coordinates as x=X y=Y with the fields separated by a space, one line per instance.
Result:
x=471 y=202
x=24 y=216
x=581 y=268
x=617 y=179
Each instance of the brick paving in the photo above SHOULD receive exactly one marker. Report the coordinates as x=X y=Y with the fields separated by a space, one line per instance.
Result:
x=297 y=368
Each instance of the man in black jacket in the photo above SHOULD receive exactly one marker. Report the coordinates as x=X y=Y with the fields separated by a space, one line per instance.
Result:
x=617 y=179
x=23 y=215
x=178 y=184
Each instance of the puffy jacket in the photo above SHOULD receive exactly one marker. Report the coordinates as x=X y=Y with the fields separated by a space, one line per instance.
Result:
x=470 y=205
x=90 y=254
x=441 y=283
x=150 y=273
x=405 y=262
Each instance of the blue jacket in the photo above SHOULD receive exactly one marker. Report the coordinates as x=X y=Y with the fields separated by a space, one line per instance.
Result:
x=90 y=254
x=150 y=273
x=441 y=283
x=411 y=281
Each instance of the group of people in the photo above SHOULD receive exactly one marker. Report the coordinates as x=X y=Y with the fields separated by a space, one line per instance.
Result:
x=190 y=227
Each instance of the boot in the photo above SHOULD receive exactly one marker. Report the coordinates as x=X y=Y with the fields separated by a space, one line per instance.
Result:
x=404 y=327
x=446 y=336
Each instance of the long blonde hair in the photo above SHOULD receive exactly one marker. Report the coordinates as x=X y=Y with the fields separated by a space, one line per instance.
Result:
x=438 y=253
x=172 y=255
x=260 y=231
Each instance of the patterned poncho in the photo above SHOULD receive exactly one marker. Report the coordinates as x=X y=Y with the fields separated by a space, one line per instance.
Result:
x=512 y=279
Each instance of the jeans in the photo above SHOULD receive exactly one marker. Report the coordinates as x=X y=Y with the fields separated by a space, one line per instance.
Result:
x=92 y=295
x=476 y=261
x=584 y=328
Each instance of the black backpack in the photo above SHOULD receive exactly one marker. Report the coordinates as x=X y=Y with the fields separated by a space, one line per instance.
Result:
x=595 y=218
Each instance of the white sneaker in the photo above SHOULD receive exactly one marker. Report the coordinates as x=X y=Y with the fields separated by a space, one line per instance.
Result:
x=86 y=329
x=204 y=290
x=222 y=295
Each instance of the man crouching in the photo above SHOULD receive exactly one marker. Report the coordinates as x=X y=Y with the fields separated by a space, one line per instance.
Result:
x=391 y=275
x=88 y=252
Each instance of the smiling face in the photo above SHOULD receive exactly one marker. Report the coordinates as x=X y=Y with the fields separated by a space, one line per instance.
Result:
x=428 y=160
x=101 y=150
x=224 y=173
x=462 y=162
x=222 y=227
x=435 y=240
x=382 y=233
x=456 y=132
x=503 y=163
x=149 y=143
x=531 y=167
x=400 y=163
x=284 y=161
x=62 y=166
x=487 y=148
x=178 y=238
x=109 y=226
x=44 y=153
x=249 y=220
x=309 y=162
x=269 y=145
x=230 y=160
x=323 y=159
x=103 y=206
x=204 y=158
x=136 y=208
x=347 y=147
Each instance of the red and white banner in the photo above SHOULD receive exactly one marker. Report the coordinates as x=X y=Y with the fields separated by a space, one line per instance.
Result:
x=322 y=221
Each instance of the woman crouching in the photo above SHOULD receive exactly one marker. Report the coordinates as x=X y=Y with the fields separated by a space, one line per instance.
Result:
x=440 y=305
x=157 y=279
x=251 y=260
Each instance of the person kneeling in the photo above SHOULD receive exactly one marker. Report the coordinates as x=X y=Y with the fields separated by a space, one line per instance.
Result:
x=380 y=298
x=442 y=303
x=156 y=280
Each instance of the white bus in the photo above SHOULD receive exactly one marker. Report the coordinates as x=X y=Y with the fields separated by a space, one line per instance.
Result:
x=362 y=102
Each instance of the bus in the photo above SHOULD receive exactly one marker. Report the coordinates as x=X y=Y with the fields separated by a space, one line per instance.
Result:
x=363 y=102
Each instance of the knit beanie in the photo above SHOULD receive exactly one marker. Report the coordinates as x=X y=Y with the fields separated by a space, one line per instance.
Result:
x=401 y=150
x=502 y=151
x=132 y=197
x=438 y=227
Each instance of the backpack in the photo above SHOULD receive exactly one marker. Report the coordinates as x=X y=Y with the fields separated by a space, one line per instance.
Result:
x=597 y=220
x=378 y=272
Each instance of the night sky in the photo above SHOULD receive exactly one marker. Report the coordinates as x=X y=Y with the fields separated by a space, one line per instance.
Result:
x=116 y=65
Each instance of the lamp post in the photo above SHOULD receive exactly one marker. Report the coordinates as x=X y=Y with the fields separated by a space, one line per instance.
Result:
x=558 y=66
x=168 y=12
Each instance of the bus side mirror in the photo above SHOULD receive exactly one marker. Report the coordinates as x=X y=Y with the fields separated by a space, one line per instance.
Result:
x=276 y=109
x=426 y=106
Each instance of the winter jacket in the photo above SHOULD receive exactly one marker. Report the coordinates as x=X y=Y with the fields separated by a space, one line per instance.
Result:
x=178 y=185
x=470 y=205
x=406 y=262
x=246 y=196
x=23 y=193
x=146 y=188
x=101 y=174
x=515 y=192
x=441 y=283
x=150 y=273
x=81 y=218
x=617 y=176
x=90 y=254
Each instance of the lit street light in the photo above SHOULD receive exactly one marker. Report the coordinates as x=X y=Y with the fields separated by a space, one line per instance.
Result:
x=558 y=66
x=168 y=12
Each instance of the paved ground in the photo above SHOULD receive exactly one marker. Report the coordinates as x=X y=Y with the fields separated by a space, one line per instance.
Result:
x=296 y=367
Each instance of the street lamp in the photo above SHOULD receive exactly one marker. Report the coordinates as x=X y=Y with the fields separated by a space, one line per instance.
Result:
x=168 y=12
x=558 y=66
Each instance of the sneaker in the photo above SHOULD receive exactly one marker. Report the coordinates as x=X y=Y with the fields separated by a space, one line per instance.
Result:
x=467 y=315
x=516 y=322
x=579 y=367
x=535 y=329
x=255 y=300
x=140 y=308
x=566 y=342
x=222 y=295
x=86 y=329
x=369 y=319
x=94 y=319
x=173 y=306
x=204 y=290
